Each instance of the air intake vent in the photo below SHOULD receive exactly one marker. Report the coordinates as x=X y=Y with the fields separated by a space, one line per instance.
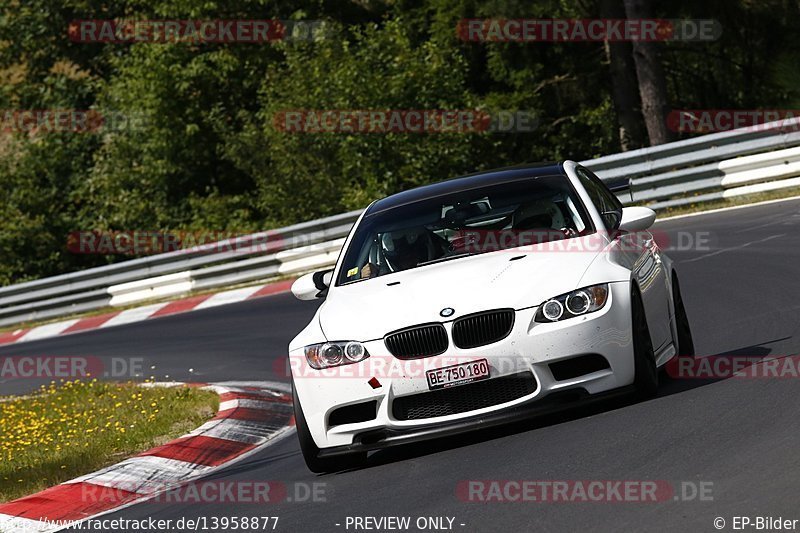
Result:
x=578 y=366
x=419 y=341
x=352 y=414
x=484 y=328
x=463 y=398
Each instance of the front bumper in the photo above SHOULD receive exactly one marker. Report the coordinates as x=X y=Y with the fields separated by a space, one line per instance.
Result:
x=530 y=347
x=553 y=403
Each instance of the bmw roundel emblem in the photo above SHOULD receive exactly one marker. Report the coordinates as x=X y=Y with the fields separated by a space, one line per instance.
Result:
x=447 y=311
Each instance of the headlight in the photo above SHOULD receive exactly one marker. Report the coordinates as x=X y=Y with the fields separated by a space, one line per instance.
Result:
x=338 y=353
x=575 y=303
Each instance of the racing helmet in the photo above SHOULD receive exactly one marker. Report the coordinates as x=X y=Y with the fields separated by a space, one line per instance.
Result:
x=540 y=214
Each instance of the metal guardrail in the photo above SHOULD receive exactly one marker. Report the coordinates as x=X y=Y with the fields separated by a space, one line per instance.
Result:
x=709 y=167
x=701 y=169
x=243 y=259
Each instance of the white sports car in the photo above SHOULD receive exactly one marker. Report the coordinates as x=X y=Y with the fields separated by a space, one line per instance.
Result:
x=480 y=300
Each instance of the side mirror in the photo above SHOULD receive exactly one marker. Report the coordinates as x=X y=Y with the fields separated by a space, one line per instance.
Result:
x=636 y=218
x=312 y=286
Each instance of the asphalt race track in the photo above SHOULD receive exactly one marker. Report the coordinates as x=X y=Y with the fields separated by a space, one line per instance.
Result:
x=742 y=297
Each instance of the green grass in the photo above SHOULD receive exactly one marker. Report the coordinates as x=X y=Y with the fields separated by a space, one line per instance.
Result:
x=77 y=427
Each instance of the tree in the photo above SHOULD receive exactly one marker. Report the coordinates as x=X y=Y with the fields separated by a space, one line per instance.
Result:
x=652 y=83
x=202 y=152
x=624 y=86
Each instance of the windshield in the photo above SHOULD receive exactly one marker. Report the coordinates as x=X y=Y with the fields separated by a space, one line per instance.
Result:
x=464 y=223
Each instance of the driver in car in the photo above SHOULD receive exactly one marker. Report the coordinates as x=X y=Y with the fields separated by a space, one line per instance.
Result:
x=404 y=249
x=542 y=217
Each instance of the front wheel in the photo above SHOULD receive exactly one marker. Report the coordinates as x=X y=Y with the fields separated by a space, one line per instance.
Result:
x=310 y=450
x=685 y=342
x=645 y=380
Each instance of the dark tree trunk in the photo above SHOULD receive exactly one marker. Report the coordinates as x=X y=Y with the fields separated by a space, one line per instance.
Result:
x=624 y=84
x=652 y=84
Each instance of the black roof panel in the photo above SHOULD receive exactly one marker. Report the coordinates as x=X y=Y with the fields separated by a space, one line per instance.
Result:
x=463 y=183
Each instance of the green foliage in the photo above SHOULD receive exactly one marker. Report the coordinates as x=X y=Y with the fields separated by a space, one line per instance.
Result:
x=304 y=175
x=200 y=150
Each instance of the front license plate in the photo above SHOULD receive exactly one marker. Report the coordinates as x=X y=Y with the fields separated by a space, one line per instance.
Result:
x=460 y=374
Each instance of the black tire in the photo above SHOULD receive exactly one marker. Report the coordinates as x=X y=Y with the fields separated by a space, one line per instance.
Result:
x=645 y=380
x=685 y=345
x=311 y=451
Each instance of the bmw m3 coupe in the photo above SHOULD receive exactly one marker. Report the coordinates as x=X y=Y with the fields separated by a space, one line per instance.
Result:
x=479 y=300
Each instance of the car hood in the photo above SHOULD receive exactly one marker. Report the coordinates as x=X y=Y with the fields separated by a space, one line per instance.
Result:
x=367 y=310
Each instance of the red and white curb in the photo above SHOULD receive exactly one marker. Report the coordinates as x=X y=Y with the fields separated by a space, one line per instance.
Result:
x=251 y=416
x=146 y=312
